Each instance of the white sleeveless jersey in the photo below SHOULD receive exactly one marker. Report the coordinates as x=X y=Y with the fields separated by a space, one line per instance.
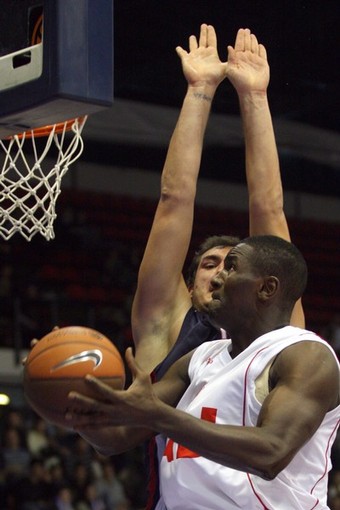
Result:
x=222 y=390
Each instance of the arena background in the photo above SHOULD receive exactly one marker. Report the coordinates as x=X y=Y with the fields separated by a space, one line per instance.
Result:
x=87 y=274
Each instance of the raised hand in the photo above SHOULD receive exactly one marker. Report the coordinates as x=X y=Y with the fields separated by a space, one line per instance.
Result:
x=112 y=407
x=202 y=65
x=248 y=69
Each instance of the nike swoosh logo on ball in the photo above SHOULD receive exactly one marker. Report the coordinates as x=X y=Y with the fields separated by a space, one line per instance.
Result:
x=94 y=355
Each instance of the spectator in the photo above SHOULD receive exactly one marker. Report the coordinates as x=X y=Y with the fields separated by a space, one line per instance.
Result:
x=110 y=488
x=56 y=473
x=15 y=454
x=81 y=453
x=33 y=492
x=37 y=438
x=64 y=499
x=91 y=500
x=80 y=478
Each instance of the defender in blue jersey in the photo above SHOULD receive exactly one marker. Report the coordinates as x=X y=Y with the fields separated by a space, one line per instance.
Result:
x=167 y=310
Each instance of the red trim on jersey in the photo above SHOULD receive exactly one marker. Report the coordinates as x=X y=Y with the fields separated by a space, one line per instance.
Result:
x=327 y=449
x=244 y=420
x=245 y=385
x=255 y=493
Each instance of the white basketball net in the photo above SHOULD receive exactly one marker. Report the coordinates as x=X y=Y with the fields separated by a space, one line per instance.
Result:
x=28 y=187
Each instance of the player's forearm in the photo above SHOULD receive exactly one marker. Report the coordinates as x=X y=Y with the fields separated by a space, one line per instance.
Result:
x=262 y=167
x=183 y=159
x=247 y=449
x=114 y=440
x=160 y=286
x=266 y=213
x=171 y=230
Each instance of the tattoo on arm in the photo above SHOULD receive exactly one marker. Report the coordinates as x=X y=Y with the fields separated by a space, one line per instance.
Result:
x=198 y=95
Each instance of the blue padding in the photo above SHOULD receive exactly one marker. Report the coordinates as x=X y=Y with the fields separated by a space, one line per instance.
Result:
x=77 y=70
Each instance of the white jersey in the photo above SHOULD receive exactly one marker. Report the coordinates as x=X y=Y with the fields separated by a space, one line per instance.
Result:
x=223 y=390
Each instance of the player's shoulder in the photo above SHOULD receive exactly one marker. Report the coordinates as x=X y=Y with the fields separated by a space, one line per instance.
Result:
x=309 y=357
x=209 y=350
x=304 y=344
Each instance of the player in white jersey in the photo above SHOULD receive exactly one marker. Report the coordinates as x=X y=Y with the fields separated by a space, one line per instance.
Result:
x=227 y=390
x=256 y=416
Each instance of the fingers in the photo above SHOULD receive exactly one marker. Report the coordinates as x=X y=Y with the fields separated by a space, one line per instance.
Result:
x=180 y=52
x=246 y=41
x=193 y=43
x=103 y=389
x=87 y=403
x=34 y=342
x=203 y=35
x=83 y=411
x=254 y=45
x=231 y=53
x=131 y=362
x=211 y=36
x=262 y=51
x=129 y=354
x=239 y=41
x=207 y=38
x=90 y=405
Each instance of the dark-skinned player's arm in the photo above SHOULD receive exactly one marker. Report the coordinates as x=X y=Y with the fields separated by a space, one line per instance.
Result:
x=290 y=414
x=248 y=71
x=98 y=426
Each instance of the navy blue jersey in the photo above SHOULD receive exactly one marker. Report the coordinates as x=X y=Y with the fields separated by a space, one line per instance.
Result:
x=195 y=330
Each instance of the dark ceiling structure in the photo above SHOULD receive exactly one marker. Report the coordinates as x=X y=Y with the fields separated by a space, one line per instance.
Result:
x=301 y=37
x=303 y=45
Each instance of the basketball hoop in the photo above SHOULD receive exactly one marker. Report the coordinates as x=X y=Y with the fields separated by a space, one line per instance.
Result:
x=29 y=184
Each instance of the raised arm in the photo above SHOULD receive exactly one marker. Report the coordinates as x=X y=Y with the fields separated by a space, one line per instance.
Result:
x=248 y=71
x=162 y=299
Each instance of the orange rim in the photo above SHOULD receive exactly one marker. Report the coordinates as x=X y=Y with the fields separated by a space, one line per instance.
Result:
x=58 y=128
x=37 y=31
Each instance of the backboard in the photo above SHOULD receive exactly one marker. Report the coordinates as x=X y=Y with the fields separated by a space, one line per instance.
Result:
x=56 y=68
x=56 y=61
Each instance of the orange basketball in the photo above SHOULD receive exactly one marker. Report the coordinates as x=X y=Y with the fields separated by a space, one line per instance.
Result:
x=58 y=363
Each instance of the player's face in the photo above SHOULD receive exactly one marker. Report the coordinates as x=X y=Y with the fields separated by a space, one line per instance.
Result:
x=211 y=263
x=234 y=296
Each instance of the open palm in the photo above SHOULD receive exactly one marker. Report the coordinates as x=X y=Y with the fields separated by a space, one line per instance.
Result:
x=248 y=68
x=202 y=63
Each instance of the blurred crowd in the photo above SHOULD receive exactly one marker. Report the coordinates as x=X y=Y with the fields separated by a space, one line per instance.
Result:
x=49 y=468
x=43 y=467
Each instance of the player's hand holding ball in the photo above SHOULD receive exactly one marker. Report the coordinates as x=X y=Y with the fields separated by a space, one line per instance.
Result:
x=58 y=364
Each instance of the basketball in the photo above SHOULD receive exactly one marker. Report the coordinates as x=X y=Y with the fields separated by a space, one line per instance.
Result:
x=58 y=363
